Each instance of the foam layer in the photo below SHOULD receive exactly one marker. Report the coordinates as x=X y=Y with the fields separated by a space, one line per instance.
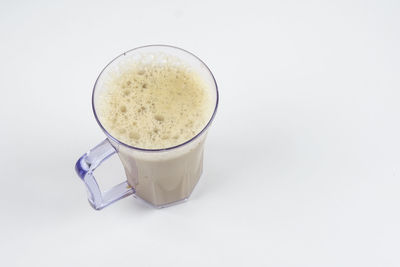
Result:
x=154 y=106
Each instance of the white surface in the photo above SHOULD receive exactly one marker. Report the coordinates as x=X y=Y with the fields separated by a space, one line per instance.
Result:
x=302 y=165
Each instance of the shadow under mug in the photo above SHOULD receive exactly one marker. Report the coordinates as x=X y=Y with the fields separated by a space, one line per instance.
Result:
x=161 y=177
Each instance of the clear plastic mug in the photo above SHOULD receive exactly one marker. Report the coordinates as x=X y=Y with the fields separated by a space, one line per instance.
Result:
x=161 y=177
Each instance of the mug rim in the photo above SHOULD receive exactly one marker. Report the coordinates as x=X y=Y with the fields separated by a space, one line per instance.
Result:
x=160 y=149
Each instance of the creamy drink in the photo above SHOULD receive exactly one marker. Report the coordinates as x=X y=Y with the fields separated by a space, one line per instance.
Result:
x=150 y=104
x=155 y=106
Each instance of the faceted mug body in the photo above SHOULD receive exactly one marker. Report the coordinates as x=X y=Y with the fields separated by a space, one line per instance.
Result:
x=161 y=177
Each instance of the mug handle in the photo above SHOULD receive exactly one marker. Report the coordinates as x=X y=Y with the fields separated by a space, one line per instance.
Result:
x=85 y=167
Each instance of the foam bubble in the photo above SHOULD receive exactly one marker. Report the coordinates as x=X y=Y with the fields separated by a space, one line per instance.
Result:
x=155 y=105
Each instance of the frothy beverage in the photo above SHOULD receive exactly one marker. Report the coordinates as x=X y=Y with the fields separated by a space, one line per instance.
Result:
x=156 y=101
x=155 y=106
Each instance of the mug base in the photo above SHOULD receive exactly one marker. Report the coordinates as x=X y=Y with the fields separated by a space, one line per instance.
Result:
x=161 y=206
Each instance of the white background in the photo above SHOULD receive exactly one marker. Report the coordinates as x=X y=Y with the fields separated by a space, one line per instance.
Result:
x=302 y=164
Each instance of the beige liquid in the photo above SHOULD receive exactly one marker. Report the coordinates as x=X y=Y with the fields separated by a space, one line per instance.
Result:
x=156 y=106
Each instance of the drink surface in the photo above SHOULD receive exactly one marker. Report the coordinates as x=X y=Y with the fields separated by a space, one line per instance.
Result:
x=155 y=106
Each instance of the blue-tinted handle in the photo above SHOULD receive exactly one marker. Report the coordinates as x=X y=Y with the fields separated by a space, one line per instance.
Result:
x=85 y=167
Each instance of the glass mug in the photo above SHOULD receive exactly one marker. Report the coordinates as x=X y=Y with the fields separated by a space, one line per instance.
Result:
x=160 y=177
